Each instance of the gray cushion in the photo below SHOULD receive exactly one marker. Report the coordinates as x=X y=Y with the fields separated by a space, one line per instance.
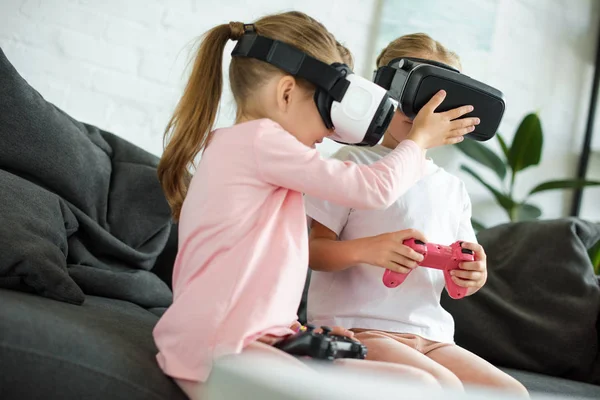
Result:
x=88 y=202
x=537 y=383
x=539 y=309
x=35 y=228
x=163 y=268
x=102 y=349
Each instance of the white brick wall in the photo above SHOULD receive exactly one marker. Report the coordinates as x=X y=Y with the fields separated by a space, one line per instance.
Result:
x=119 y=64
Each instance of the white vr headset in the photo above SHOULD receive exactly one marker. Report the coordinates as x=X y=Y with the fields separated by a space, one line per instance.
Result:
x=357 y=109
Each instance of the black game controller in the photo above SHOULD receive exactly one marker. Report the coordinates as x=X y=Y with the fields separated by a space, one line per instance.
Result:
x=321 y=346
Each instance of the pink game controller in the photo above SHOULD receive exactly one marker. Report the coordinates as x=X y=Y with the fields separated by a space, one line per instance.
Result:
x=446 y=258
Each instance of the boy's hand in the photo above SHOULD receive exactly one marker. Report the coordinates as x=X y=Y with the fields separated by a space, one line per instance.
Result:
x=472 y=274
x=388 y=251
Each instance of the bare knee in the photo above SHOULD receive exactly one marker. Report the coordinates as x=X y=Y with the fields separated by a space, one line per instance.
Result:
x=518 y=389
x=396 y=371
x=446 y=378
x=510 y=384
x=498 y=380
x=412 y=374
x=422 y=377
x=264 y=350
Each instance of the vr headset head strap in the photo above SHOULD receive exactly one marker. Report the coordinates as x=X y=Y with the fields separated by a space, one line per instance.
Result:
x=423 y=61
x=293 y=61
x=385 y=75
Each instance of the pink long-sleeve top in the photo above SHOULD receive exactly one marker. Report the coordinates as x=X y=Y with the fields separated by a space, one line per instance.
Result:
x=243 y=242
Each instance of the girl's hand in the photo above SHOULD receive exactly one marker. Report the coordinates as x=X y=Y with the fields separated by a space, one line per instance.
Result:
x=296 y=327
x=271 y=340
x=431 y=129
x=339 y=331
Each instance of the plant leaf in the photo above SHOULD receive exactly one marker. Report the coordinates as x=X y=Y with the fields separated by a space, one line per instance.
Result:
x=503 y=145
x=483 y=155
x=527 y=212
x=506 y=202
x=563 y=184
x=595 y=257
x=477 y=226
x=526 y=149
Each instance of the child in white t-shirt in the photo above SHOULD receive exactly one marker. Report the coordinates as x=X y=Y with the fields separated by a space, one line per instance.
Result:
x=405 y=325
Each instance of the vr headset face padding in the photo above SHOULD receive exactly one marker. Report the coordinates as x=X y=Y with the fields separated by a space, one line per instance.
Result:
x=324 y=100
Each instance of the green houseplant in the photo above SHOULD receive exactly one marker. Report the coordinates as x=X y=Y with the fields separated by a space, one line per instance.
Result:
x=595 y=257
x=524 y=152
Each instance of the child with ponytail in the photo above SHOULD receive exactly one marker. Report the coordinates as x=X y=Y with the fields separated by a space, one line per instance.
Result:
x=243 y=243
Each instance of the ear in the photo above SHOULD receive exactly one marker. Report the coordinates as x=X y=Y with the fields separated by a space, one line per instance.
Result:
x=286 y=90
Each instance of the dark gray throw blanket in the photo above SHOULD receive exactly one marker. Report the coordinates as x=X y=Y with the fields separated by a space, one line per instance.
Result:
x=540 y=308
x=81 y=210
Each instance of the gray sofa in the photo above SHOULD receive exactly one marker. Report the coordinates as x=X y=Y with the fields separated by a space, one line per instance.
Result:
x=87 y=248
x=539 y=310
x=103 y=349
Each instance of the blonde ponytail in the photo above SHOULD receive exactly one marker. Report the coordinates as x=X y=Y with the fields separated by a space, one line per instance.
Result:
x=188 y=131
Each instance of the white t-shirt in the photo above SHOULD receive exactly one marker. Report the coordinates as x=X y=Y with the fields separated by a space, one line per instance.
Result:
x=438 y=205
